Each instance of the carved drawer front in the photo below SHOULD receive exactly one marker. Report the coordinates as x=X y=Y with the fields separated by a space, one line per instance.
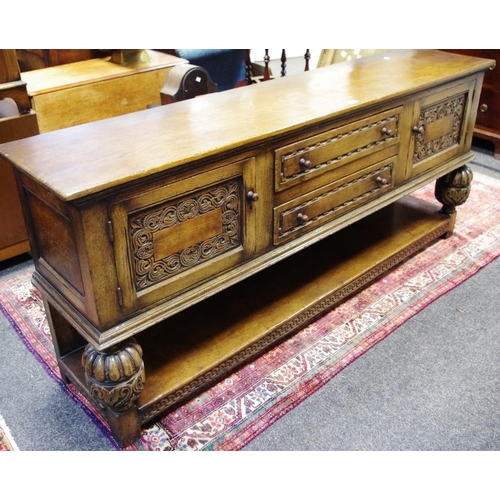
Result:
x=440 y=127
x=323 y=205
x=302 y=160
x=175 y=237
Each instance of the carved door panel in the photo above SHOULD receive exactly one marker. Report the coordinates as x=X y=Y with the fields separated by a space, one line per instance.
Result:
x=441 y=127
x=173 y=238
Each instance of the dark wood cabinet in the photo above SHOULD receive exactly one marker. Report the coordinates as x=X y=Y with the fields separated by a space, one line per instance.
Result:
x=31 y=59
x=488 y=117
x=17 y=121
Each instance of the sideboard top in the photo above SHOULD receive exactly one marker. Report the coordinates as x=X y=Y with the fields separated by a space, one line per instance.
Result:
x=87 y=159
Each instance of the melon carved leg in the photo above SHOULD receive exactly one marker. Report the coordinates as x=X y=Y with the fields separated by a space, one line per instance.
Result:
x=115 y=379
x=452 y=190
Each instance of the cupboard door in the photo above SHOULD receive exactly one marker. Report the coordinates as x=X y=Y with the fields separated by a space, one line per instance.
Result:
x=181 y=235
x=442 y=127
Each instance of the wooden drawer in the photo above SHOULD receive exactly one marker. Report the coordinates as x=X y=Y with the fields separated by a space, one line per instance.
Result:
x=308 y=158
x=320 y=206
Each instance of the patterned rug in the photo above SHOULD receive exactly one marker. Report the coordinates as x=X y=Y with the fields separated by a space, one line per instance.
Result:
x=233 y=412
x=7 y=442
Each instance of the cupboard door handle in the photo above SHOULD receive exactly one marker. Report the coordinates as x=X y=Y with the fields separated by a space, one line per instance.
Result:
x=252 y=196
x=303 y=163
x=418 y=130
x=302 y=218
x=381 y=181
x=387 y=131
x=483 y=108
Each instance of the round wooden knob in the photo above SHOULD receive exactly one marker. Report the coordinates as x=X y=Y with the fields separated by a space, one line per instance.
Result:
x=386 y=131
x=302 y=218
x=381 y=181
x=418 y=130
x=303 y=163
x=252 y=196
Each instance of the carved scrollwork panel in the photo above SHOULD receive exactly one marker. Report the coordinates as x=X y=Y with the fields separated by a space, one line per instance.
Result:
x=438 y=127
x=180 y=234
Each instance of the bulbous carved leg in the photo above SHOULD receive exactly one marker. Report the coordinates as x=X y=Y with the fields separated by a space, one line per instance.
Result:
x=453 y=189
x=115 y=378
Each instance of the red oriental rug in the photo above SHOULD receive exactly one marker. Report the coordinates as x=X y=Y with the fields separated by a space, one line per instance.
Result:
x=233 y=412
x=7 y=442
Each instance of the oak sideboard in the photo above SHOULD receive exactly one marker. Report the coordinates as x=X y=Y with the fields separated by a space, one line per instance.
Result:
x=172 y=245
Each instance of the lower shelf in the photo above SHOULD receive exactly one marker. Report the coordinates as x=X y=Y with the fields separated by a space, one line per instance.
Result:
x=192 y=350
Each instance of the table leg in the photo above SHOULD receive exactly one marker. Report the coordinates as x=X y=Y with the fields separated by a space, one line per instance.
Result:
x=115 y=378
x=452 y=190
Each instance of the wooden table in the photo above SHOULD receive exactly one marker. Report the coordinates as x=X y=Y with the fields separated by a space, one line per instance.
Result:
x=174 y=244
x=84 y=91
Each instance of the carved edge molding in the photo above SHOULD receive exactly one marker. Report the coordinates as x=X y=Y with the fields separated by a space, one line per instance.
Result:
x=287 y=329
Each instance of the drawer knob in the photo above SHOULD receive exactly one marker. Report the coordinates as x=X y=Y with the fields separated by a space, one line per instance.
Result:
x=302 y=218
x=252 y=196
x=303 y=163
x=381 y=181
x=483 y=108
x=418 y=130
x=386 y=131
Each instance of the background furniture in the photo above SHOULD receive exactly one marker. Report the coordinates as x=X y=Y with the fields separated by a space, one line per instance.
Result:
x=231 y=68
x=274 y=68
x=226 y=67
x=31 y=59
x=333 y=56
x=186 y=81
x=257 y=72
x=488 y=119
x=174 y=244
x=94 y=89
x=17 y=121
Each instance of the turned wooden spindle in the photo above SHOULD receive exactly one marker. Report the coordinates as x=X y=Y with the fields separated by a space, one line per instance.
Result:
x=248 y=67
x=283 y=62
x=307 y=56
x=266 y=66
